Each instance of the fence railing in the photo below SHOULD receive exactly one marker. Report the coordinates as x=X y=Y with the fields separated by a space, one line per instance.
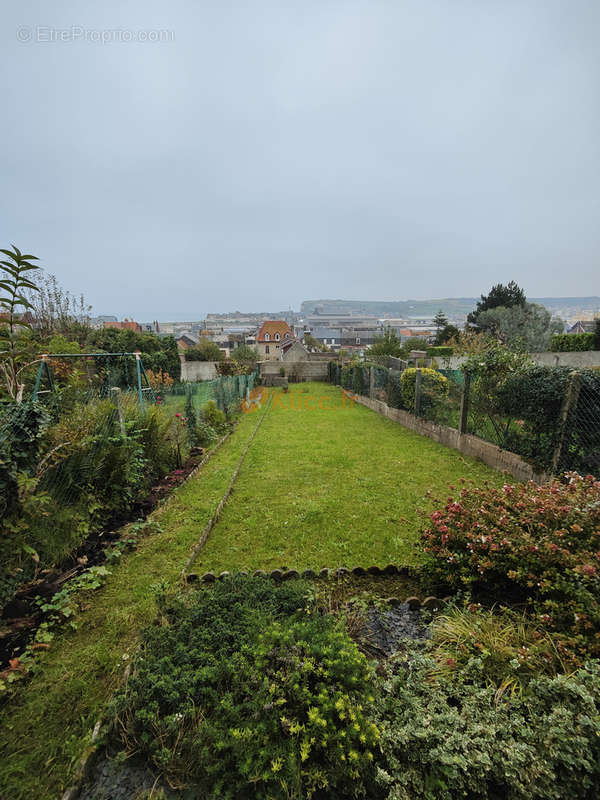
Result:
x=553 y=436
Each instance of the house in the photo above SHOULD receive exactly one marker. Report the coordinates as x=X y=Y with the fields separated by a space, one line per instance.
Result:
x=271 y=335
x=293 y=350
x=329 y=336
x=185 y=340
x=583 y=326
x=127 y=324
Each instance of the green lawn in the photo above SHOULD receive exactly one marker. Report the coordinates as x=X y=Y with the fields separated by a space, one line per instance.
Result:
x=330 y=483
x=322 y=484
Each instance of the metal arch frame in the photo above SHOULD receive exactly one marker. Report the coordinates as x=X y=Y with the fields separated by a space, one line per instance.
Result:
x=140 y=371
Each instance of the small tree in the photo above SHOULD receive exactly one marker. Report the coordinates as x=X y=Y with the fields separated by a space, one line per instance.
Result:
x=387 y=345
x=446 y=334
x=440 y=320
x=14 y=283
x=205 y=350
x=314 y=345
x=499 y=295
x=244 y=353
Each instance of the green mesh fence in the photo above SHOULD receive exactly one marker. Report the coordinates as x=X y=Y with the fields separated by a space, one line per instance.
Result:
x=226 y=392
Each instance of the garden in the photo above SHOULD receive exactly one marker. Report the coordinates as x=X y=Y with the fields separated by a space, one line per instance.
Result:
x=331 y=680
x=305 y=600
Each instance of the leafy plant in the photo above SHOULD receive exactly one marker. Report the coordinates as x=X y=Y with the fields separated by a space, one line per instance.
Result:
x=455 y=737
x=246 y=692
x=571 y=342
x=13 y=284
x=511 y=648
x=434 y=387
x=537 y=544
x=214 y=417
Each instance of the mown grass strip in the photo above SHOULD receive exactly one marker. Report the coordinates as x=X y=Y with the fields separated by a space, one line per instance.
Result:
x=47 y=725
x=330 y=483
x=215 y=517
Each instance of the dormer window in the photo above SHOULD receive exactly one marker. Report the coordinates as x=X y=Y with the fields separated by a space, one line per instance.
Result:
x=267 y=337
x=276 y=337
x=286 y=335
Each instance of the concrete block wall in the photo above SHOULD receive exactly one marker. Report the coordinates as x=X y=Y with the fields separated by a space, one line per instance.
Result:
x=302 y=370
x=472 y=446
x=198 y=370
x=585 y=359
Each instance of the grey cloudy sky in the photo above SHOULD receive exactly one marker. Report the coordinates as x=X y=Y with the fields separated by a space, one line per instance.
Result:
x=268 y=152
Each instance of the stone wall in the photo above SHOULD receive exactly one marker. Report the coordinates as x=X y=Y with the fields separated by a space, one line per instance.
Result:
x=472 y=446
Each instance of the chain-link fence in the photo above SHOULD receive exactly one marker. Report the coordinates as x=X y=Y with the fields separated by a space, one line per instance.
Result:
x=548 y=415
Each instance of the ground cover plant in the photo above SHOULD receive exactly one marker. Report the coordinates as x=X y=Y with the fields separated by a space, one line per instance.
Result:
x=448 y=735
x=328 y=482
x=244 y=690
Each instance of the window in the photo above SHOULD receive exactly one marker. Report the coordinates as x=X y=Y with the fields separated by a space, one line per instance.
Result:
x=267 y=337
x=267 y=348
x=286 y=335
x=358 y=340
x=277 y=337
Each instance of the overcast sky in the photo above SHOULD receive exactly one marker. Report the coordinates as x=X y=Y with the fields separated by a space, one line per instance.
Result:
x=261 y=153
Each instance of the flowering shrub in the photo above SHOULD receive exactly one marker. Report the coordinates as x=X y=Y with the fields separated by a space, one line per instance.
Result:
x=539 y=544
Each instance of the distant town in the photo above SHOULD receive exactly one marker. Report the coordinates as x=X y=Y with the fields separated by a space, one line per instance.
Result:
x=342 y=324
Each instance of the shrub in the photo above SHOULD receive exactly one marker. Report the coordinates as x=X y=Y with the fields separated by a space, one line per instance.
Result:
x=191 y=420
x=434 y=386
x=360 y=379
x=570 y=342
x=394 y=390
x=332 y=371
x=529 y=543
x=73 y=476
x=206 y=434
x=452 y=737
x=21 y=428
x=244 y=692
x=535 y=395
x=214 y=417
x=205 y=350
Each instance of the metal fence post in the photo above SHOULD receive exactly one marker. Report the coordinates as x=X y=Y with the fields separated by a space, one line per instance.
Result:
x=464 y=404
x=418 y=379
x=569 y=405
x=118 y=401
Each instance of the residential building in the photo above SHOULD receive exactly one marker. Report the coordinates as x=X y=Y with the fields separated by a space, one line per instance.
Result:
x=271 y=335
x=127 y=324
x=583 y=326
x=293 y=350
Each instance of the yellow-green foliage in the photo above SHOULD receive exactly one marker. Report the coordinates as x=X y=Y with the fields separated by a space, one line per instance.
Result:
x=433 y=385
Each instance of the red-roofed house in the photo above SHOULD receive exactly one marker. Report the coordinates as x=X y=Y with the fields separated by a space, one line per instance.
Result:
x=270 y=337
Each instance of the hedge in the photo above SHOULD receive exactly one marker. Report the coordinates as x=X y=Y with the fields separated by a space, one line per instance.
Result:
x=571 y=342
x=442 y=351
